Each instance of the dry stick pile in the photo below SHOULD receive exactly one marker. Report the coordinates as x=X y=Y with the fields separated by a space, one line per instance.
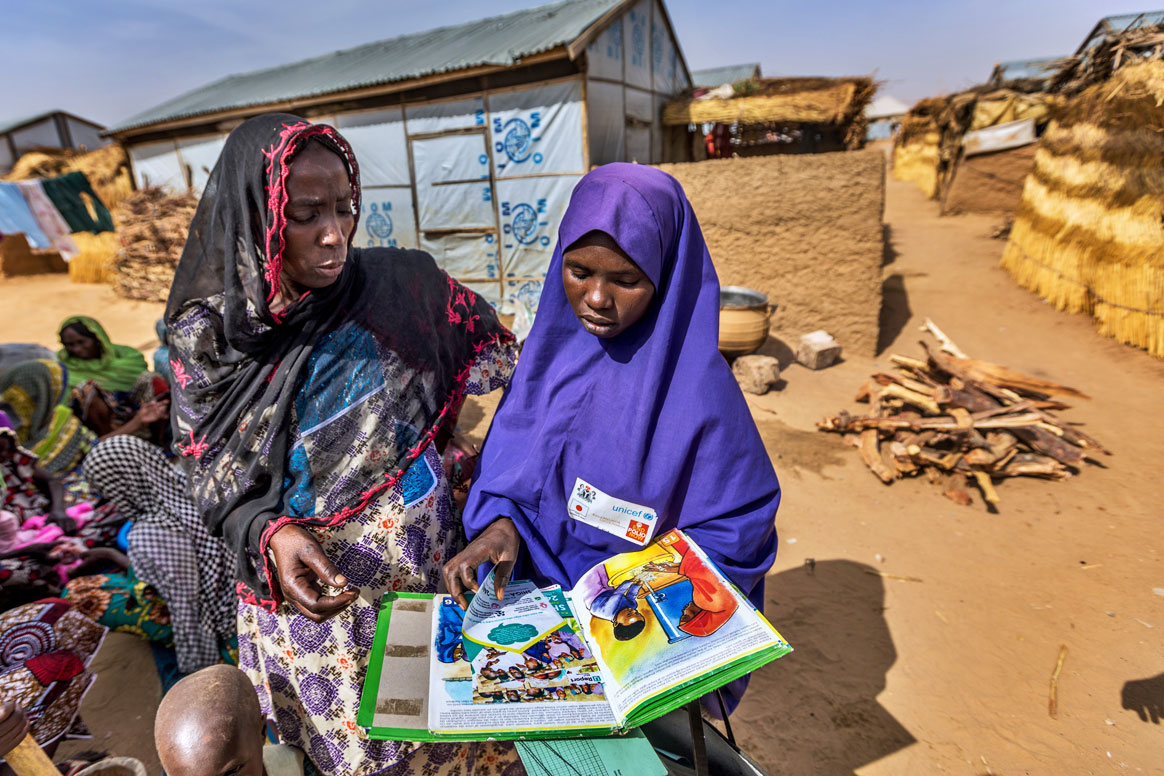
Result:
x=153 y=227
x=956 y=419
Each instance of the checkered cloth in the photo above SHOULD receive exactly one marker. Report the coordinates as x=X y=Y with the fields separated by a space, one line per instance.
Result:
x=169 y=547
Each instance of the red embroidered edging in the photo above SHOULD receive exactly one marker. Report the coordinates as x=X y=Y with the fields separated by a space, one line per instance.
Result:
x=366 y=497
x=247 y=596
x=291 y=138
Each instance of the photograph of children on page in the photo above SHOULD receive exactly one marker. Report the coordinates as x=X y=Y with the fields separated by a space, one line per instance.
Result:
x=647 y=607
x=558 y=667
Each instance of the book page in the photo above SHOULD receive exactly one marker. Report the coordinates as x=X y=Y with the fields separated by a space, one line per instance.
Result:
x=512 y=682
x=526 y=615
x=661 y=616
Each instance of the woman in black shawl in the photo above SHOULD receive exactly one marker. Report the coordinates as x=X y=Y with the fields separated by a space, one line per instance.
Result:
x=310 y=380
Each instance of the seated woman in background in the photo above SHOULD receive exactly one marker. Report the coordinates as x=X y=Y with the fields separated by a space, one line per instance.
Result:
x=31 y=395
x=110 y=385
x=169 y=549
x=621 y=386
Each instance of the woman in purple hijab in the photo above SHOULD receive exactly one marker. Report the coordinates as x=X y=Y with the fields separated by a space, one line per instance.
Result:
x=620 y=389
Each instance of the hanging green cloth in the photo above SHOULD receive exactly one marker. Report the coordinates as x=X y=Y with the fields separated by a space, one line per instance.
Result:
x=117 y=369
x=65 y=192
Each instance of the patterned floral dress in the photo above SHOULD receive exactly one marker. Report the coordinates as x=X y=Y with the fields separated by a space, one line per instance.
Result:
x=310 y=676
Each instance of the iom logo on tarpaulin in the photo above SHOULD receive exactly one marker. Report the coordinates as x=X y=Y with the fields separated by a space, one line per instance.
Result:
x=657 y=46
x=524 y=220
x=638 y=39
x=518 y=139
x=379 y=226
x=525 y=224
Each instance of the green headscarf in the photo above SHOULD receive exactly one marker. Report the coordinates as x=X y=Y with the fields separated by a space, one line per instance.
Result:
x=117 y=369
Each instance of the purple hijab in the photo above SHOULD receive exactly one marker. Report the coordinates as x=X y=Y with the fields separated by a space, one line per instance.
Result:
x=653 y=416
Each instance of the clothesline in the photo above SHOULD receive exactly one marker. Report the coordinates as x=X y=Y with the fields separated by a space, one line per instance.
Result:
x=47 y=211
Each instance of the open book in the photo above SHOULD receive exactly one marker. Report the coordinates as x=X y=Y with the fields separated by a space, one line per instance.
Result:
x=640 y=635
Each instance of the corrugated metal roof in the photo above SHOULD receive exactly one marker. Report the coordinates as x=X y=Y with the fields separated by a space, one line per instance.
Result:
x=1121 y=22
x=717 y=76
x=1024 y=68
x=499 y=40
x=8 y=126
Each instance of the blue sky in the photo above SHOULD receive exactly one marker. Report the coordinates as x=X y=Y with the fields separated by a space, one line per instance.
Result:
x=109 y=59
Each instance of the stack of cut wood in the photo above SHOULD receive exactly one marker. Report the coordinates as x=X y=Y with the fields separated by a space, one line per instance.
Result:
x=957 y=420
x=153 y=226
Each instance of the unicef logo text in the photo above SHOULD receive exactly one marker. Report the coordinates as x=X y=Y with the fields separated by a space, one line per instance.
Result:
x=525 y=224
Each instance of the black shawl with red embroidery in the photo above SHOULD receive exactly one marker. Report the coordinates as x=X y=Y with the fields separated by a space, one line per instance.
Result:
x=395 y=322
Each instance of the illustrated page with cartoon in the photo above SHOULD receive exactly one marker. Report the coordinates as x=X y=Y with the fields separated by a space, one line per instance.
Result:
x=664 y=620
x=639 y=635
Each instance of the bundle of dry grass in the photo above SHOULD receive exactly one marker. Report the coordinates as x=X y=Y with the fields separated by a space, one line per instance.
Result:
x=95 y=262
x=917 y=152
x=153 y=228
x=960 y=421
x=835 y=101
x=107 y=169
x=1087 y=236
x=45 y=163
x=918 y=160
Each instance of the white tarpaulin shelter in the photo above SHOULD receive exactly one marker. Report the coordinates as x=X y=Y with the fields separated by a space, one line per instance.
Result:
x=470 y=138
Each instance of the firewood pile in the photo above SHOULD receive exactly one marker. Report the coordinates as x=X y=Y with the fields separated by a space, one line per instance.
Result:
x=959 y=421
x=152 y=225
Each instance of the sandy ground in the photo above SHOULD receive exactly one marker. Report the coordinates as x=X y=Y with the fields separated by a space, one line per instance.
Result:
x=949 y=674
x=35 y=305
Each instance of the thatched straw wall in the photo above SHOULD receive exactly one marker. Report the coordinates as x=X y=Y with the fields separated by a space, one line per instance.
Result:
x=1088 y=236
x=917 y=160
x=839 y=102
x=791 y=100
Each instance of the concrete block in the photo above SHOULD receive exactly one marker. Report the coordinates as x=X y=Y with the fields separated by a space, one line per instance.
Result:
x=756 y=374
x=818 y=350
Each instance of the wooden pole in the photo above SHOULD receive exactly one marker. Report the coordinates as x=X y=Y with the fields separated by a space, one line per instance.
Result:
x=698 y=743
x=28 y=759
